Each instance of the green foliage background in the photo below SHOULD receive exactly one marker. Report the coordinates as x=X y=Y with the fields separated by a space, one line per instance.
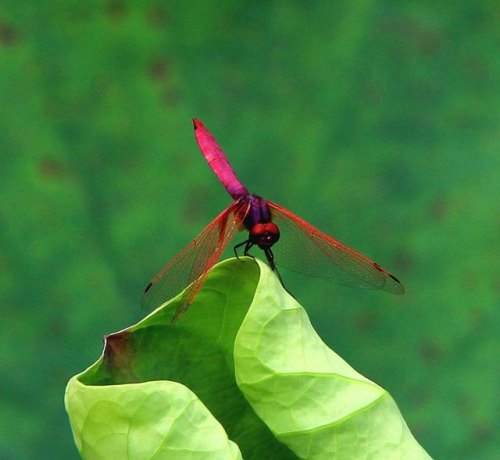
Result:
x=376 y=121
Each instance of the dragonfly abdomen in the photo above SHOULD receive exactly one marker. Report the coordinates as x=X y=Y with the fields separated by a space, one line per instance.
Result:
x=218 y=161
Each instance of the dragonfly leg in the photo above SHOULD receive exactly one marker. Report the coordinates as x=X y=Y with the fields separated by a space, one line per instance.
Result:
x=270 y=258
x=248 y=244
x=247 y=248
x=238 y=246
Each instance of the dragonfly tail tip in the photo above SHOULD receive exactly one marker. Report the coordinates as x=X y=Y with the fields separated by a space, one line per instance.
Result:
x=197 y=123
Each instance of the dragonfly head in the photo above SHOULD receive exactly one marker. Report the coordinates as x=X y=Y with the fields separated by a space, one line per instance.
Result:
x=264 y=235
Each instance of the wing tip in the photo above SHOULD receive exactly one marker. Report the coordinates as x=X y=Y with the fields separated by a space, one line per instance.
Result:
x=396 y=287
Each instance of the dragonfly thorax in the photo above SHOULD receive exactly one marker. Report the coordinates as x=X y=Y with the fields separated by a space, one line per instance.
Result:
x=264 y=235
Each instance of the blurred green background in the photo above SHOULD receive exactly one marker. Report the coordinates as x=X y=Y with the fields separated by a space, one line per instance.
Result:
x=377 y=121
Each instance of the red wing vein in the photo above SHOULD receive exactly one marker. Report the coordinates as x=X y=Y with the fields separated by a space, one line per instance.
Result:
x=305 y=249
x=190 y=267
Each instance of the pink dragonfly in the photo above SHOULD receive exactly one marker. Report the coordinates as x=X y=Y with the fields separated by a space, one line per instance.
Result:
x=304 y=248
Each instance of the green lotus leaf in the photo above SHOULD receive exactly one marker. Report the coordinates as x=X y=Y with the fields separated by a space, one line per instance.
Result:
x=242 y=373
x=310 y=398
x=158 y=419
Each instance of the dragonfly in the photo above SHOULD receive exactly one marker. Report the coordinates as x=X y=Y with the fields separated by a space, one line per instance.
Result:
x=285 y=239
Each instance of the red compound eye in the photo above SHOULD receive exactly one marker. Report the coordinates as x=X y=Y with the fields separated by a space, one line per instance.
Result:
x=264 y=235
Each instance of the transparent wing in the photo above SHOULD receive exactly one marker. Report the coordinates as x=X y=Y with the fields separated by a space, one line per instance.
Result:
x=305 y=249
x=190 y=267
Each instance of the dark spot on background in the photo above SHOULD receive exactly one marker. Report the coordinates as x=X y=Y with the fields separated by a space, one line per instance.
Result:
x=398 y=180
x=52 y=169
x=475 y=67
x=8 y=35
x=496 y=285
x=365 y=320
x=57 y=326
x=477 y=319
x=409 y=34
x=373 y=93
x=470 y=279
x=403 y=261
x=466 y=406
x=483 y=432
x=420 y=395
x=158 y=69
x=438 y=209
x=431 y=352
x=157 y=17
x=171 y=97
x=116 y=9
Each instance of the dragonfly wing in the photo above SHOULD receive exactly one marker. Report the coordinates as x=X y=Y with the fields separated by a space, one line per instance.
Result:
x=305 y=249
x=191 y=266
